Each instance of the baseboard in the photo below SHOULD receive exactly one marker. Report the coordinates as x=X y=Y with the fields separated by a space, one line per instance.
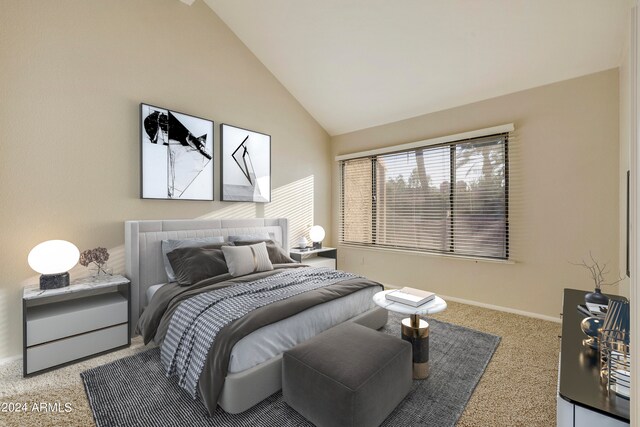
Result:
x=505 y=309
x=10 y=359
x=493 y=307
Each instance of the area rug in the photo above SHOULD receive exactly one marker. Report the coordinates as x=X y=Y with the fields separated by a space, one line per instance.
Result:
x=134 y=391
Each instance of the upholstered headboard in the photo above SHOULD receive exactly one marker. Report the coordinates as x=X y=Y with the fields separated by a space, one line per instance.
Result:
x=143 y=256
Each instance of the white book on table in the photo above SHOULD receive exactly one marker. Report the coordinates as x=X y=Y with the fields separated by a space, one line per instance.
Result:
x=410 y=296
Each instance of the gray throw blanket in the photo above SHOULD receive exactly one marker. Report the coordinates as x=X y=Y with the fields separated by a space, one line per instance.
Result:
x=197 y=321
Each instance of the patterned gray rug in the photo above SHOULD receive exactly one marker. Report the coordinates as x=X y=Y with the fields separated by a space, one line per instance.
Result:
x=133 y=391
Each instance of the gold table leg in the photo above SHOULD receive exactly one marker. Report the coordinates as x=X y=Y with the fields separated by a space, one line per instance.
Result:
x=416 y=331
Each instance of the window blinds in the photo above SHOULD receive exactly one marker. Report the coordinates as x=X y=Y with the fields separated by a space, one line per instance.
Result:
x=447 y=198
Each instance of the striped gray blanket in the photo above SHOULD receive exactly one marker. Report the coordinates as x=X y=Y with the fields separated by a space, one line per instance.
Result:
x=196 y=322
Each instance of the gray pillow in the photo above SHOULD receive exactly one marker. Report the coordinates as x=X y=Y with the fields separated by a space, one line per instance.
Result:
x=192 y=265
x=243 y=260
x=170 y=245
x=255 y=237
x=277 y=255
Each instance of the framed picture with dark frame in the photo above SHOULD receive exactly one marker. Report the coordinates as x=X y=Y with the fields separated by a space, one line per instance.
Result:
x=246 y=165
x=176 y=155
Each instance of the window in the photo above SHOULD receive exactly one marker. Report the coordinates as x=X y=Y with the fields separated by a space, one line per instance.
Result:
x=448 y=198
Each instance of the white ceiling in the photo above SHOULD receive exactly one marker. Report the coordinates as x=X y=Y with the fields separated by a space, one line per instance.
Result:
x=354 y=64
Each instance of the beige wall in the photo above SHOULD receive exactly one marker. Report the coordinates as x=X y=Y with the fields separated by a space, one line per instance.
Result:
x=565 y=182
x=72 y=75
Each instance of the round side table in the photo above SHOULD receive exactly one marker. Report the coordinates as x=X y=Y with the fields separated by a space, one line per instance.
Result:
x=415 y=330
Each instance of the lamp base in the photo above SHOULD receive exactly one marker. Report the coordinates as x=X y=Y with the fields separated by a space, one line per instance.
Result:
x=317 y=245
x=54 y=281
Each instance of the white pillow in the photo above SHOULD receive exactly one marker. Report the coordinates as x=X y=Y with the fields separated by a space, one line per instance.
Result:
x=151 y=290
x=243 y=260
x=169 y=245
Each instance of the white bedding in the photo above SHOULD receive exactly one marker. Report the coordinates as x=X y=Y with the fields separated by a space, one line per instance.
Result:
x=152 y=290
x=271 y=340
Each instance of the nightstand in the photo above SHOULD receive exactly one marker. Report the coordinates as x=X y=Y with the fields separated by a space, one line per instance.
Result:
x=65 y=325
x=323 y=257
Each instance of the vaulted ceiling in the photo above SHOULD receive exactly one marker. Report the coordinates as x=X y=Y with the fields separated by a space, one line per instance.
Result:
x=354 y=64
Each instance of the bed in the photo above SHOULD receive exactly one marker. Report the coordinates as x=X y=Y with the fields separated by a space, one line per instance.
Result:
x=253 y=372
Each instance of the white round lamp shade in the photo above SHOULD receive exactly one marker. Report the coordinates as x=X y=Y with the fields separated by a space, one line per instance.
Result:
x=316 y=233
x=53 y=257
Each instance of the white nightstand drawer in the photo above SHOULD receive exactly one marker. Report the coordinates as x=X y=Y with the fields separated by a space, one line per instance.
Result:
x=54 y=321
x=322 y=257
x=320 y=262
x=66 y=350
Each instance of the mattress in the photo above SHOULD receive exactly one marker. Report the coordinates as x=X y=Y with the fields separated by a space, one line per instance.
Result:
x=270 y=341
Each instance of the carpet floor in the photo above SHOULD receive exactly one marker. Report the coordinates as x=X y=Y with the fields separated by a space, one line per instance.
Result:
x=517 y=388
x=134 y=391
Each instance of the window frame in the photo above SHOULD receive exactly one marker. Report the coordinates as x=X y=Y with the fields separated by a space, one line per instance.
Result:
x=505 y=137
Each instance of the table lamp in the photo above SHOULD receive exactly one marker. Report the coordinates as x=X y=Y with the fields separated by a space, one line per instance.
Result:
x=316 y=234
x=53 y=259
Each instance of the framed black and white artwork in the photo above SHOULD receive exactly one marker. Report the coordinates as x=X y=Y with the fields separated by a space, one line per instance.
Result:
x=246 y=165
x=177 y=155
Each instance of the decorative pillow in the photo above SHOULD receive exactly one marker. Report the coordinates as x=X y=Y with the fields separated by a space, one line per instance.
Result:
x=256 y=237
x=243 y=260
x=277 y=255
x=194 y=264
x=169 y=245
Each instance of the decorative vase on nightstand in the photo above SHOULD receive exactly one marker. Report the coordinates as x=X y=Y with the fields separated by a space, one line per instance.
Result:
x=302 y=242
x=598 y=270
x=96 y=260
x=100 y=271
x=597 y=297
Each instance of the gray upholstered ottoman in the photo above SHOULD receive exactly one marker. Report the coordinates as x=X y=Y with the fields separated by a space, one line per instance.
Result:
x=349 y=375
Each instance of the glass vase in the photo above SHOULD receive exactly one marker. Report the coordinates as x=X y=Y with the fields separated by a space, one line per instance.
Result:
x=100 y=271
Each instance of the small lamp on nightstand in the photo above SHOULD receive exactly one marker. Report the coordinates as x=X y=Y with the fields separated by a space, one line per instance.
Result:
x=52 y=259
x=316 y=234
